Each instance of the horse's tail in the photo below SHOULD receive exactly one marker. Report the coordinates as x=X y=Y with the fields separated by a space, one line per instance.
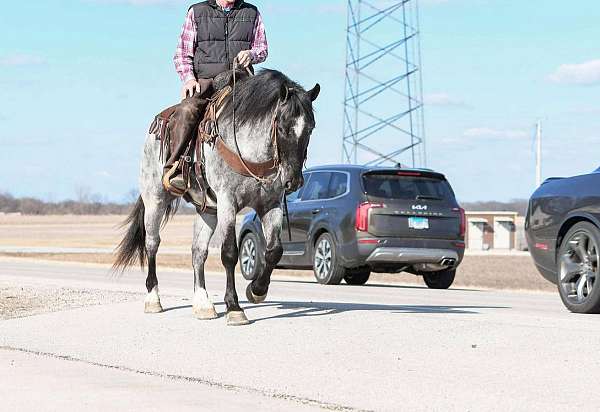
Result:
x=133 y=245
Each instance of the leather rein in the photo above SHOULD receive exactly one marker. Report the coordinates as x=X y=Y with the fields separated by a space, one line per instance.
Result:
x=258 y=171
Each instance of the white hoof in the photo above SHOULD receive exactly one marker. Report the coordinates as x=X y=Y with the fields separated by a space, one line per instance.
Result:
x=153 y=307
x=152 y=302
x=205 y=313
x=202 y=306
x=237 y=319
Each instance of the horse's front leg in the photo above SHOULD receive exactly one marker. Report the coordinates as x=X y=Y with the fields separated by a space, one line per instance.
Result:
x=229 y=257
x=272 y=221
x=204 y=227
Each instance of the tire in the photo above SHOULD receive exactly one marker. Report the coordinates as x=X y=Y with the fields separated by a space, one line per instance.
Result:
x=326 y=266
x=578 y=268
x=358 y=276
x=251 y=262
x=439 y=280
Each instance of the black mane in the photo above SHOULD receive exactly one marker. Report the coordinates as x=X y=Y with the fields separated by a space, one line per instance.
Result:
x=256 y=98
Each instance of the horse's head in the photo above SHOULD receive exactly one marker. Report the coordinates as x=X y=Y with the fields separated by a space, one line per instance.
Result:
x=296 y=122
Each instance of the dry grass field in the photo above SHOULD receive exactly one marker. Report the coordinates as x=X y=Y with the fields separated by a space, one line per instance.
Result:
x=488 y=272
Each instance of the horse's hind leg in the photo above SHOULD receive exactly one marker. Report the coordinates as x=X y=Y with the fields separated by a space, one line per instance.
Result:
x=256 y=292
x=152 y=219
x=204 y=227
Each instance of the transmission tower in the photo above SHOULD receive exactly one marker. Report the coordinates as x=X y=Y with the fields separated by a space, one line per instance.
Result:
x=383 y=104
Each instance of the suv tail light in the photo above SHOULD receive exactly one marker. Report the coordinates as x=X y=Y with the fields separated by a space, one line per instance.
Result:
x=463 y=221
x=362 y=215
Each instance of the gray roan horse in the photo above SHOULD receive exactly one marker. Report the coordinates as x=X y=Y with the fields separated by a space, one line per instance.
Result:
x=259 y=99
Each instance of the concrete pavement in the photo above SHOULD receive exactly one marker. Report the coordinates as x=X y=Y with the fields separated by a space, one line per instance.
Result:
x=379 y=347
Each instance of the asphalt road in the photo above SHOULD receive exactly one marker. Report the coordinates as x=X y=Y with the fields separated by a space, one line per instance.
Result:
x=378 y=347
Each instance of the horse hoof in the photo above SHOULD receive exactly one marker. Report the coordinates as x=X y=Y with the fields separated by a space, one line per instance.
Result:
x=153 y=307
x=207 y=313
x=252 y=298
x=237 y=319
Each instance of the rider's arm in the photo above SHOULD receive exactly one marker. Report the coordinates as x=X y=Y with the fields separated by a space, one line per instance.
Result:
x=184 y=55
x=259 y=49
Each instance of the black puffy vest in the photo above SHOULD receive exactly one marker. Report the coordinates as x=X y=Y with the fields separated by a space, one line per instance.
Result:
x=221 y=36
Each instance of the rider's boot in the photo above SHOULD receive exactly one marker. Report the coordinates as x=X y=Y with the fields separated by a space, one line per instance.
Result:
x=183 y=127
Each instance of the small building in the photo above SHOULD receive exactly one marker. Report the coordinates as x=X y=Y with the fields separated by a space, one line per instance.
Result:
x=491 y=230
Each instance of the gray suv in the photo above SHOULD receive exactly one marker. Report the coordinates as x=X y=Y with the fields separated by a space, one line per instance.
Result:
x=348 y=221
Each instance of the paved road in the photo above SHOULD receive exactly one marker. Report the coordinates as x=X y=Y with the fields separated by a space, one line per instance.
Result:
x=309 y=347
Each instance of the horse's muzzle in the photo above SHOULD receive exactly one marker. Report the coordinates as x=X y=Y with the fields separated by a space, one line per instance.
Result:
x=294 y=184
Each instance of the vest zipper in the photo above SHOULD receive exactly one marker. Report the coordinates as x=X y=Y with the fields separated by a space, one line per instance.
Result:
x=227 y=38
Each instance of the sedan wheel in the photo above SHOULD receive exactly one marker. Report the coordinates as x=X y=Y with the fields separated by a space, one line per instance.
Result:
x=325 y=263
x=579 y=259
x=250 y=262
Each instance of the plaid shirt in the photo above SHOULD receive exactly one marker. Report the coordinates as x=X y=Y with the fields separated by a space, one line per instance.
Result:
x=186 y=47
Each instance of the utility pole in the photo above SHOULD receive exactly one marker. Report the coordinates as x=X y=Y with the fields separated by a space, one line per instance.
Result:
x=538 y=154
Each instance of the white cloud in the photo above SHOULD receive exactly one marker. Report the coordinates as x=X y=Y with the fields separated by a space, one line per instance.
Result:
x=19 y=59
x=486 y=132
x=442 y=99
x=584 y=73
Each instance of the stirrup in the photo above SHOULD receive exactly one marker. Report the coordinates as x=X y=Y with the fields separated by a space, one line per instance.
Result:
x=166 y=181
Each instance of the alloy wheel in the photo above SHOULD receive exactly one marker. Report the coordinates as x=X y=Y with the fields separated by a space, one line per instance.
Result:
x=323 y=257
x=579 y=267
x=248 y=256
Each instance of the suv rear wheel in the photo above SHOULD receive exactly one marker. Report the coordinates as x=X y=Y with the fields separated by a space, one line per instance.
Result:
x=439 y=280
x=358 y=276
x=250 y=257
x=326 y=265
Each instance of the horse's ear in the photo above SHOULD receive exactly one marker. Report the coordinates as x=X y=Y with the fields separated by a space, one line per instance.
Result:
x=314 y=93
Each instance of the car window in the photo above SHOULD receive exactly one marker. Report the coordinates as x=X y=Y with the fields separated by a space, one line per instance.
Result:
x=391 y=186
x=338 y=184
x=317 y=187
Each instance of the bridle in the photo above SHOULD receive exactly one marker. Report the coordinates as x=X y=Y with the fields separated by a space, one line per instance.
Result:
x=274 y=139
x=263 y=180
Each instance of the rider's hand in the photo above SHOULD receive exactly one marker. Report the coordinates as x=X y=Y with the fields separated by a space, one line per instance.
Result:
x=244 y=58
x=189 y=88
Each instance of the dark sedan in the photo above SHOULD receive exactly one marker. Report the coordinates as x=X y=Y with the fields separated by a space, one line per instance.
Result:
x=563 y=233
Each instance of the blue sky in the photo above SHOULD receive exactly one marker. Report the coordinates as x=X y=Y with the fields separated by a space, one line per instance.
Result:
x=81 y=80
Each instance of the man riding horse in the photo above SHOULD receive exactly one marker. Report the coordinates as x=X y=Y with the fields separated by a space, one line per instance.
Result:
x=216 y=33
x=247 y=152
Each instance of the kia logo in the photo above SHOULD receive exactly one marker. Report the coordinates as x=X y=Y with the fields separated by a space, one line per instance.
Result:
x=419 y=207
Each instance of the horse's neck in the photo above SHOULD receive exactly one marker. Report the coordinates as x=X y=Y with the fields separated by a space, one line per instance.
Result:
x=253 y=140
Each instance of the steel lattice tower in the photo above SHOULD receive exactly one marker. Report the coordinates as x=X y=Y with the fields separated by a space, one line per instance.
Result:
x=383 y=104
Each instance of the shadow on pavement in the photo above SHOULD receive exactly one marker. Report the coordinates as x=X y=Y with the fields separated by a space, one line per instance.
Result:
x=310 y=309
x=304 y=309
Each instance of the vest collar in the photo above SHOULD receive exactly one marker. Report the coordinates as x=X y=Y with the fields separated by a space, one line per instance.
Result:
x=236 y=5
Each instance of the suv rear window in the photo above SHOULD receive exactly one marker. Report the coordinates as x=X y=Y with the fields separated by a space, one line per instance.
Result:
x=393 y=186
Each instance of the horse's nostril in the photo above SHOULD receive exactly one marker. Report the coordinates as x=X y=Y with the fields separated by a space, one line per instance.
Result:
x=288 y=185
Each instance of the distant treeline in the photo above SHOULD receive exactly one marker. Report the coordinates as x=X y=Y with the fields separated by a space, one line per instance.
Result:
x=87 y=206
x=33 y=206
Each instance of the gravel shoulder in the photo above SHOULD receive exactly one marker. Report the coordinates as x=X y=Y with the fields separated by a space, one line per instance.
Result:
x=21 y=301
